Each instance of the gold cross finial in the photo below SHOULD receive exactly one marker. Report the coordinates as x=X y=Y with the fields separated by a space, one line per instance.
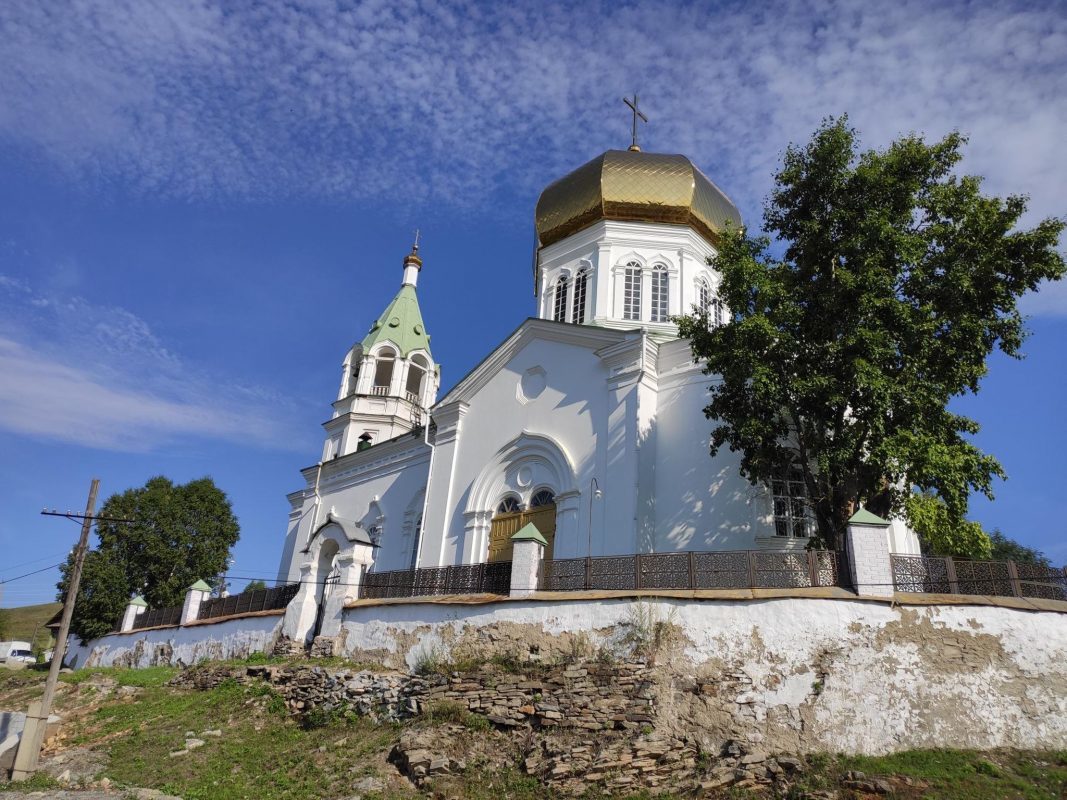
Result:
x=637 y=113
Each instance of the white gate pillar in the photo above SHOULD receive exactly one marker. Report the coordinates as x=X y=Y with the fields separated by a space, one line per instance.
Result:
x=868 y=555
x=526 y=558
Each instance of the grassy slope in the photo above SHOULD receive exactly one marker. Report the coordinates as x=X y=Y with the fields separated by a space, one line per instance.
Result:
x=19 y=623
x=265 y=753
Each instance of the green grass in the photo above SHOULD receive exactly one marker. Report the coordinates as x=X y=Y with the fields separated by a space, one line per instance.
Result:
x=20 y=623
x=970 y=775
x=262 y=753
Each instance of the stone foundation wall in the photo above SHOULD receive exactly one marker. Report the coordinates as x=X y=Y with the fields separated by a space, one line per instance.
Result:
x=780 y=675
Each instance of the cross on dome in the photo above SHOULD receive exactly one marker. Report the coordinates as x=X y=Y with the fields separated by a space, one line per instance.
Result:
x=637 y=113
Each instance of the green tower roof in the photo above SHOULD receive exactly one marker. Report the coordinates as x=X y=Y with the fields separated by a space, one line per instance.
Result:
x=139 y=601
x=201 y=586
x=400 y=323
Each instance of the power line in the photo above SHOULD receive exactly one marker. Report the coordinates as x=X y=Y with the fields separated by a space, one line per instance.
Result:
x=28 y=574
x=35 y=560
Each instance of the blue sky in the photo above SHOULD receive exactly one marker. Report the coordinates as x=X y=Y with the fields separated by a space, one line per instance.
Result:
x=202 y=205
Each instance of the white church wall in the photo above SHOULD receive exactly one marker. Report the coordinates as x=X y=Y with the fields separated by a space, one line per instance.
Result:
x=380 y=487
x=547 y=390
x=190 y=644
x=806 y=674
x=702 y=503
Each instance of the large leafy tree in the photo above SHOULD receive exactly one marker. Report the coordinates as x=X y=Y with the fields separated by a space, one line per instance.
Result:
x=891 y=282
x=176 y=535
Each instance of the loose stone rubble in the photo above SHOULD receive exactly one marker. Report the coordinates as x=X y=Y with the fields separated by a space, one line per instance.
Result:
x=579 y=727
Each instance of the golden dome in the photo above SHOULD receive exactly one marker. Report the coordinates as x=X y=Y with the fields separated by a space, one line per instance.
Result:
x=633 y=186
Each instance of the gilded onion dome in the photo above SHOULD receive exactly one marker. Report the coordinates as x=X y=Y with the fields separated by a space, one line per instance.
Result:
x=634 y=186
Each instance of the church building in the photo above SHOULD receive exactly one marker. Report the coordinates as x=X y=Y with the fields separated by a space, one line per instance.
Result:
x=587 y=420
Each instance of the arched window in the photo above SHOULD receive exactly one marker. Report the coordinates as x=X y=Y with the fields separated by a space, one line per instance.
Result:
x=509 y=505
x=659 y=293
x=417 y=370
x=631 y=295
x=703 y=296
x=383 y=370
x=416 y=541
x=542 y=498
x=559 y=301
x=581 y=287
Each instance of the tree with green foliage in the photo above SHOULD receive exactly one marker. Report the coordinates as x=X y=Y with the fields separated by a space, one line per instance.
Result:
x=3 y=624
x=892 y=282
x=940 y=534
x=1005 y=549
x=176 y=535
x=255 y=586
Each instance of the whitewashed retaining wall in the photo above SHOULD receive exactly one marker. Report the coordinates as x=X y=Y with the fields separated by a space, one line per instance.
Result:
x=232 y=638
x=796 y=674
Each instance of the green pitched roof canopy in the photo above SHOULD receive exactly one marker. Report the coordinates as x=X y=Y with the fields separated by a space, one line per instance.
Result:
x=529 y=531
x=139 y=601
x=865 y=517
x=401 y=323
x=201 y=586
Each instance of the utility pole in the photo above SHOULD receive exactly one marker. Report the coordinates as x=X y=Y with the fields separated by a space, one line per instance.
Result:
x=30 y=746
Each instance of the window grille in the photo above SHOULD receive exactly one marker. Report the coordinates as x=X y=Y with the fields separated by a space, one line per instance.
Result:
x=559 y=313
x=704 y=296
x=791 y=518
x=541 y=498
x=581 y=285
x=509 y=505
x=659 y=294
x=631 y=299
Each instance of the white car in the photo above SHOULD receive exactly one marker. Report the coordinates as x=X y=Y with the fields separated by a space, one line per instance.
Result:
x=17 y=653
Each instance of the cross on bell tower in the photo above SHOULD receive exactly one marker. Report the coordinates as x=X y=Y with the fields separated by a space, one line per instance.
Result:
x=637 y=113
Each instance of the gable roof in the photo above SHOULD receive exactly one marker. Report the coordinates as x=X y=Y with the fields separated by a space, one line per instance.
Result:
x=532 y=329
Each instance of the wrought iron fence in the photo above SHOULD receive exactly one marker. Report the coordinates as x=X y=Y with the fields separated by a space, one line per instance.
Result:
x=247 y=602
x=732 y=569
x=944 y=575
x=155 y=617
x=491 y=578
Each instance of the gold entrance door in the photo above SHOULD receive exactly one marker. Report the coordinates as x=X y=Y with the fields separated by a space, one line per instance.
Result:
x=507 y=523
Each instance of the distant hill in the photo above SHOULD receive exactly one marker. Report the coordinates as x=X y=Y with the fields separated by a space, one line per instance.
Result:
x=19 y=623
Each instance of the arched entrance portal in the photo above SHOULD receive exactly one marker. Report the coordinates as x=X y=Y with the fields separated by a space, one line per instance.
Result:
x=511 y=517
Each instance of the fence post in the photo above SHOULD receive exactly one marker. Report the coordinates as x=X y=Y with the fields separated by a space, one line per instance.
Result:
x=751 y=569
x=868 y=555
x=588 y=573
x=813 y=571
x=637 y=570
x=134 y=609
x=1013 y=576
x=194 y=596
x=950 y=572
x=528 y=550
x=692 y=570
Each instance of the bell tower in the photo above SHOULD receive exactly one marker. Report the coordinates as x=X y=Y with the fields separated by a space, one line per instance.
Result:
x=389 y=380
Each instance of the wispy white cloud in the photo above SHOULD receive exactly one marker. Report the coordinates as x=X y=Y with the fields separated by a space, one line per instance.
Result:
x=470 y=103
x=99 y=377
